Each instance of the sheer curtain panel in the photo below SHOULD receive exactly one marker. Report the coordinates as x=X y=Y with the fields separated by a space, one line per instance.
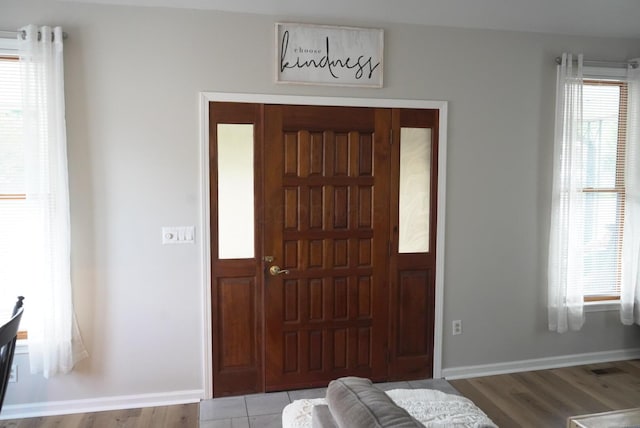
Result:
x=565 y=272
x=54 y=340
x=630 y=281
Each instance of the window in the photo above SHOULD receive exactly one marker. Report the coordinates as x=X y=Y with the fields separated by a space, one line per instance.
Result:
x=12 y=189
x=415 y=190
x=603 y=155
x=37 y=242
x=594 y=239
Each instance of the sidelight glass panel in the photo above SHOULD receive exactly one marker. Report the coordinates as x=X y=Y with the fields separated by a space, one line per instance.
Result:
x=235 y=191
x=415 y=189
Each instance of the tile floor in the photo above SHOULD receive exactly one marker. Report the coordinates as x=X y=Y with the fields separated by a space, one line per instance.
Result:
x=264 y=410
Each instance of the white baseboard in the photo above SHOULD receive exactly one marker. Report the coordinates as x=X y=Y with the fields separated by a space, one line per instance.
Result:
x=50 y=408
x=539 y=364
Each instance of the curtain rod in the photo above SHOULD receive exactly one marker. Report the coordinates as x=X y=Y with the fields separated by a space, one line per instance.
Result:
x=595 y=63
x=14 y=34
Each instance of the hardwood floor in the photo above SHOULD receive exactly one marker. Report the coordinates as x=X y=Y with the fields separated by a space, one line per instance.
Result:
x=546 y=398
x=180 y=416
x=539 y=399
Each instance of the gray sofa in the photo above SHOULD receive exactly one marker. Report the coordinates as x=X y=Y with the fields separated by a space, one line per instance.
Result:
x=353 y=402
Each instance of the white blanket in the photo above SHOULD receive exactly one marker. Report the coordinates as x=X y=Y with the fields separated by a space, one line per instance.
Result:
x=434 y=409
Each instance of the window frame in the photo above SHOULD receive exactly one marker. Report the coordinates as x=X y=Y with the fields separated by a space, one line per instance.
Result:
x=6 y=55
x=612 y=77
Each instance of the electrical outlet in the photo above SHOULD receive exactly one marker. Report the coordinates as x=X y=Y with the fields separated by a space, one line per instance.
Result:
x=13 y=375
x=457 y=327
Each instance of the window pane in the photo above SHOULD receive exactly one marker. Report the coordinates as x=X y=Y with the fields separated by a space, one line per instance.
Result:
x=415 y=185
x=11 y=154
x=13 y=256
x=602 y=225
x=235 y=191
x=600 y=134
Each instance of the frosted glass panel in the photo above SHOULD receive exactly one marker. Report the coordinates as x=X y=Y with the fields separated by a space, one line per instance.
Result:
x=415 y=184
x=235 y=191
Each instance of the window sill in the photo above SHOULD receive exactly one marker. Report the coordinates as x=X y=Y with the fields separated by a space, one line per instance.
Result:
x=602 y=306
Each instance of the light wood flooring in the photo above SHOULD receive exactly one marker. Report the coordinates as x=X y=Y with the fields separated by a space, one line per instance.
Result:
x=180 y=416
x=540 y=399
x=546 y=398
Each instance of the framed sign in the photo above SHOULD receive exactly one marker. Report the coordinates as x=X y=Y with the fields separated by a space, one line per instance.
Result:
x=328 y=55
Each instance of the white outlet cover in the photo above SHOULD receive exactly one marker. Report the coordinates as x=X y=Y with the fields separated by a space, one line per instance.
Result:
x=457 y=327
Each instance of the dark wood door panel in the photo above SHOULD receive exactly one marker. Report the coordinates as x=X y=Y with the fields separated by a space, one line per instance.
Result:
x=327 y=317
x=236 y=284
x=326 y=200
x=412 y=296
x=415 y=294
x=236 y=357
x=321 y=118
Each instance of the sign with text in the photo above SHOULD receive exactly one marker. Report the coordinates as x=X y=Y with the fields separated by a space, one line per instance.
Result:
x=326 y=55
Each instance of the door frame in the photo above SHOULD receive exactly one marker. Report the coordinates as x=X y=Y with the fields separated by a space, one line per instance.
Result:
x=204 y=232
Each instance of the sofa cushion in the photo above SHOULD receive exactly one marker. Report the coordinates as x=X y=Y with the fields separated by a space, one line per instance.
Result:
x=321 y=417
x=356 y=403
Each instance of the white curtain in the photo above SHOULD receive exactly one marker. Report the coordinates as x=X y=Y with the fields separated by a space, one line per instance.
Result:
x=630 y=281
x=54 y=340
x=565 y=278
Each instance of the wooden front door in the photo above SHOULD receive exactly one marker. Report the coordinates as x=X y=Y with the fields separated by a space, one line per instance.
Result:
x=327 y=227
x=326 y=289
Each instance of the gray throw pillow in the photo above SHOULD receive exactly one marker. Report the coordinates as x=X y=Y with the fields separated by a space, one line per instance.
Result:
x=356 y=403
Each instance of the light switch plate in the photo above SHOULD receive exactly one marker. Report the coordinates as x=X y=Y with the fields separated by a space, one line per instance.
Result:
x=178 y=235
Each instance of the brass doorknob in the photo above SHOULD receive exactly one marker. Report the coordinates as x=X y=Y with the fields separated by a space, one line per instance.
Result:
x=275 y=270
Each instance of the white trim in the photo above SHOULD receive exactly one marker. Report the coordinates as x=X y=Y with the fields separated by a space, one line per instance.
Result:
x=440 y=240
x=206 y=97
x=613 y=73
x=205 y=248
x=602 y=306
x=8 y=46
x=325 y=101
x=50 y=408
x=540 y=364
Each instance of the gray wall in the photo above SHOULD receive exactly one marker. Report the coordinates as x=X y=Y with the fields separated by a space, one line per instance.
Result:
x=132 y=81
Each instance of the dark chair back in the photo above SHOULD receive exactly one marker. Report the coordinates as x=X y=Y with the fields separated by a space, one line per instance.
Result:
x=8 y=336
